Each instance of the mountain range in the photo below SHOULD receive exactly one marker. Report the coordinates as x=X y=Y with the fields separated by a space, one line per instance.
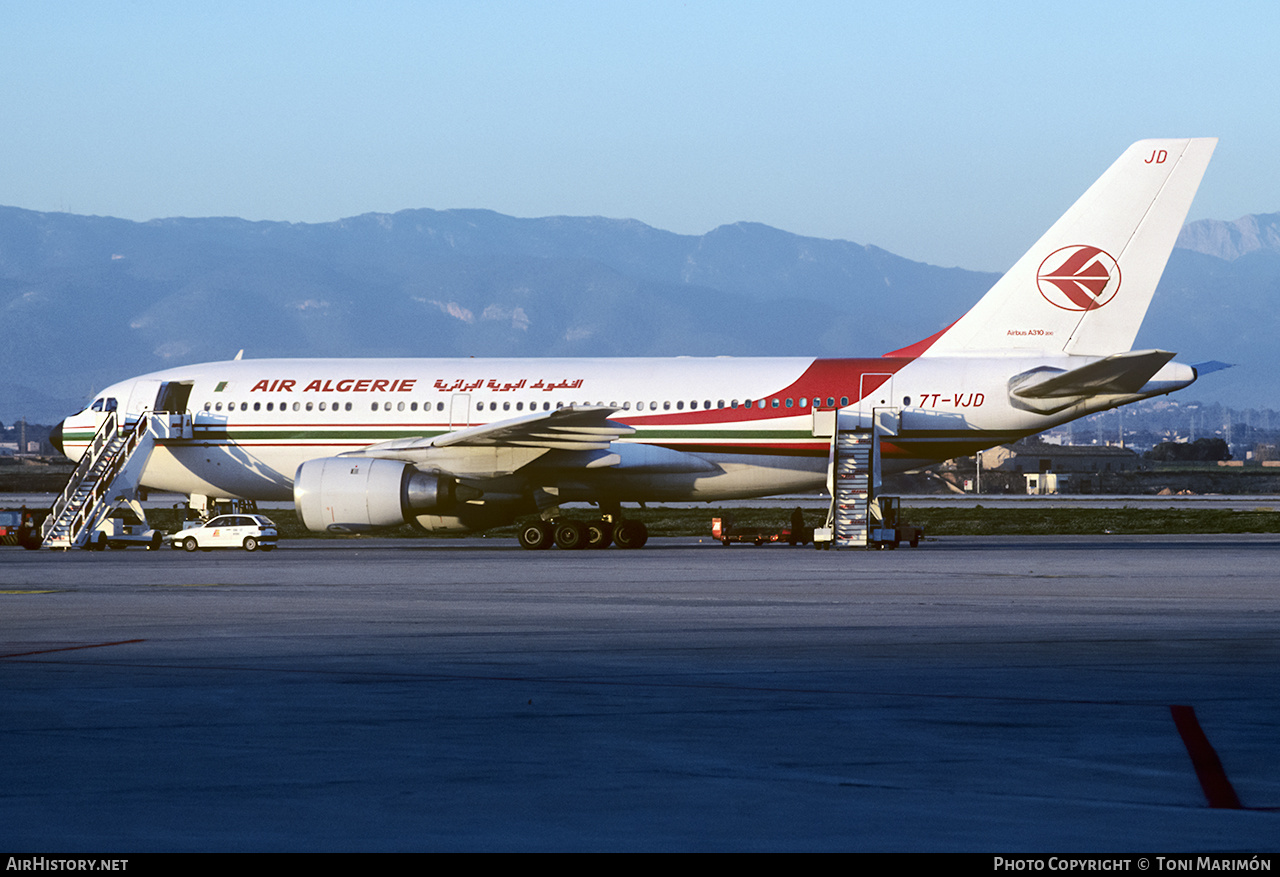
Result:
x=88 y=300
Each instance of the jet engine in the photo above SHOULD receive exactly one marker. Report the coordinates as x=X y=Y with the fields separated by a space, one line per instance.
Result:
x=355 y=494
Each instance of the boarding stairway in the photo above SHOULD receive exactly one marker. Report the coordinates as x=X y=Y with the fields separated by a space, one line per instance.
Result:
x=854 y=458
x=110 y=471
x=853 y=474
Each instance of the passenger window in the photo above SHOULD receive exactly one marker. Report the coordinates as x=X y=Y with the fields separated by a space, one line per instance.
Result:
x=206 y=406
x=789 y=403
x=400 y=406
x=297 y=406
x=844 y=400
x=680 y=405
x=257 y=406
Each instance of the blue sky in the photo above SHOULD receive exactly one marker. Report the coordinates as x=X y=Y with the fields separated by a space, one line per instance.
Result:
x=952 y=134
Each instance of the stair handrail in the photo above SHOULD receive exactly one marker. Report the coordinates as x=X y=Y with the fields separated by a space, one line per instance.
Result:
x=106 y=432
x=106 y=477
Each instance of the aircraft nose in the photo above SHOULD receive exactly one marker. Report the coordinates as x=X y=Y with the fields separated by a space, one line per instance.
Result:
x=55 y=438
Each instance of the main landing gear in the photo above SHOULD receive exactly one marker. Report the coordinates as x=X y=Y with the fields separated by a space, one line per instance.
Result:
x=572 y=535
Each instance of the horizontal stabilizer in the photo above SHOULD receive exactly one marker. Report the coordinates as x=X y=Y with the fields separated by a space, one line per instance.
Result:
x=1120 y=374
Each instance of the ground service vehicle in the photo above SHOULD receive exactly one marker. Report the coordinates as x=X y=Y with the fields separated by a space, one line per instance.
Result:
x=888 y=530
x=727 y=532
x=249 y=532
x=126 y=525
x=21 y=526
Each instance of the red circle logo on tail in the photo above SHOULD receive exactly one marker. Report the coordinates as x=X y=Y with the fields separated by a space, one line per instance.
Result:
x=1078 y=278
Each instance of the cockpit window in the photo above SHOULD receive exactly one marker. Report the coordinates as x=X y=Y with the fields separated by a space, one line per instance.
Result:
x=97 y=405
x=111 y=403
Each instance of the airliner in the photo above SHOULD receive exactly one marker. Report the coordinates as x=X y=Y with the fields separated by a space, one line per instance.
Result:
x=443 y=444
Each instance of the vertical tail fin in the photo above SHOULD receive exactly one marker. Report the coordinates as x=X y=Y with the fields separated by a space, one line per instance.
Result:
x=1086 y=284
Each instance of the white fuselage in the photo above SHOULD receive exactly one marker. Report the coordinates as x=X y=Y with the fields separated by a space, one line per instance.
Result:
x=751 y=420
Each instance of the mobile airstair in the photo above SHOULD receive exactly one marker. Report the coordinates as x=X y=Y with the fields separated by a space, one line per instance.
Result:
x=853 y=475
x=109 y=472
x=855 y=456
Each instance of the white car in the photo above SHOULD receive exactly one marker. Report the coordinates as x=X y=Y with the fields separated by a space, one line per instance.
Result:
x=249 y=532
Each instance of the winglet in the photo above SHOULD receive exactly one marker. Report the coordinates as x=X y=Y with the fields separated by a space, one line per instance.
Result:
x=1213 y=365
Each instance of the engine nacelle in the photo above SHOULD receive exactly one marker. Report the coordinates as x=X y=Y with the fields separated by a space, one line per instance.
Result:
x=355 y=494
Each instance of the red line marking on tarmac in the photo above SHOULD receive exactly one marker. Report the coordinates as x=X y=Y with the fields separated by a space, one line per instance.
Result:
x=123 y=642
x=1213 y=779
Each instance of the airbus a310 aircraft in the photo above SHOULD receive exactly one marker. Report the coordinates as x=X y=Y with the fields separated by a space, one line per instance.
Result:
x=360 y=444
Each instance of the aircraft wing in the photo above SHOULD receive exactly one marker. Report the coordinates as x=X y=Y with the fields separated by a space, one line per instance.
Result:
x=579 y=428
x=505 y=446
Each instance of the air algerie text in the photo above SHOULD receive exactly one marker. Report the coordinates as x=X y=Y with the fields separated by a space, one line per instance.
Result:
x=348 y=385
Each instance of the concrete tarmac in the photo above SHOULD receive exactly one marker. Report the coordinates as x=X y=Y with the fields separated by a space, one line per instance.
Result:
x=976 y=694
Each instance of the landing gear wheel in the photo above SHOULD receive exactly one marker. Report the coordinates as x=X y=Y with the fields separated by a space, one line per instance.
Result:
x=599 y=534
x=250 y=544
x=630 y=534
x=189 y=545
x=571 y=535
x=536 y=536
